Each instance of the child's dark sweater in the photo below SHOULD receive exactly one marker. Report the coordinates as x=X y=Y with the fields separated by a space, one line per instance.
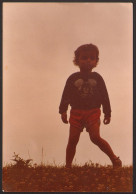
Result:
x=85 y=91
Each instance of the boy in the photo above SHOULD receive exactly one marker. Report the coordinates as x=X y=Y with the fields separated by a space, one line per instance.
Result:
x=85 y=92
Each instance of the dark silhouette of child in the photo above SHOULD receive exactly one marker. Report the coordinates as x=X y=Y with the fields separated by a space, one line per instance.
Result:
x=85 y=91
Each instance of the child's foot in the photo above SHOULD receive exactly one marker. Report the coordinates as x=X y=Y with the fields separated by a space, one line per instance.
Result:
x=117 y=163
x=68 y=166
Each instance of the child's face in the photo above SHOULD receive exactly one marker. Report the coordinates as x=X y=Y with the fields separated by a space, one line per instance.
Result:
x=87 y=60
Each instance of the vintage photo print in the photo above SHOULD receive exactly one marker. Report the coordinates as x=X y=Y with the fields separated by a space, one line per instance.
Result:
x=67 y=97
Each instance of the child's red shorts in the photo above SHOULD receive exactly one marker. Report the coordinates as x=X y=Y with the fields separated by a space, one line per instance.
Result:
x=85 y=118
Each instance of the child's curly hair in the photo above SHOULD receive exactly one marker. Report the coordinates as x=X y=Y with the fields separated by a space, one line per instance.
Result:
x=85 y=47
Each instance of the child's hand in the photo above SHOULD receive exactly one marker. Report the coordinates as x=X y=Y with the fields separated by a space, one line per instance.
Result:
x=106 y=120
x=64 y=117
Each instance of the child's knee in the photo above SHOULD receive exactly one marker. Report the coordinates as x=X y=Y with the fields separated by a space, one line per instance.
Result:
x=95 y=139
x=73 y=141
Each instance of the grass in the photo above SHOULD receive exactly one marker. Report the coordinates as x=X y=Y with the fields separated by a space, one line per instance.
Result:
x=52 y=178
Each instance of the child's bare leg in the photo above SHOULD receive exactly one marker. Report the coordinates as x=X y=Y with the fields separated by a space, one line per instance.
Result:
x=74 y=135
x=94 y=133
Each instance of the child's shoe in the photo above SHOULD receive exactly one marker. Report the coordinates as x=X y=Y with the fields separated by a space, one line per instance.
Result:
x=117 y=163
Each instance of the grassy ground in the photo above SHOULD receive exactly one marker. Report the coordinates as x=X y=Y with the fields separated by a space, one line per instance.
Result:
x=47 y=178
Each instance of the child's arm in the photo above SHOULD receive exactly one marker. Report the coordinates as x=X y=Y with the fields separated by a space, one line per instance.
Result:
x=105 y=103
x=64 y=117
x=65 y=101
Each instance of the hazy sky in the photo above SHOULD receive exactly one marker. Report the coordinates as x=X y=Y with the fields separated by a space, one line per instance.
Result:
x=39 y=40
